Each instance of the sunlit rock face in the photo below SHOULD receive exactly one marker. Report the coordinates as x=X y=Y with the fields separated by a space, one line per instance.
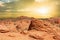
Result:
x=30 y=28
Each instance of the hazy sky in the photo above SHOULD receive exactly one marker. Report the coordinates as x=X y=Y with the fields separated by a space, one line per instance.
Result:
x=34 y=8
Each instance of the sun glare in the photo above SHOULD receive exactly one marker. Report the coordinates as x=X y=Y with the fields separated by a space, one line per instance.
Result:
x=43 y=10
x=40 y=0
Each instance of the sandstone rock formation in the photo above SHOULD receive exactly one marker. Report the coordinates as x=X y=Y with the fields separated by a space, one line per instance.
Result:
x=27 y=28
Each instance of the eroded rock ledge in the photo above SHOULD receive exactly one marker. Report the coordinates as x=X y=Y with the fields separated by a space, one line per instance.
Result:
x=28 y=28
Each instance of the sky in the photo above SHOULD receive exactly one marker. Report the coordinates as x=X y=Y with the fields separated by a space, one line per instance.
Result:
x=31 y=8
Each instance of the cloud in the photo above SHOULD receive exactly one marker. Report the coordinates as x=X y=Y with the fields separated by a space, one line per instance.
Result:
x=1 y=4
x=7 y=1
